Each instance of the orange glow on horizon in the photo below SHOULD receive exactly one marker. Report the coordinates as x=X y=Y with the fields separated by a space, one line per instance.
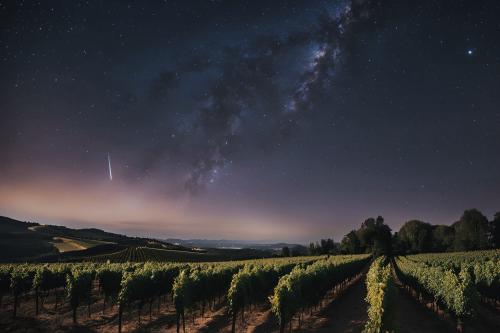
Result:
x=129 y=209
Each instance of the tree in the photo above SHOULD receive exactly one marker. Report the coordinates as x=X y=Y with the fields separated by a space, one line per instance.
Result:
x=350 y=243
x=443 y=237
x=285 y=251
x=375 y=236
x=495 y=231
x=471 y=231
x=415 y=237
x=298 y=251
x=366 y=234
x=312 y=249
x=327 y=246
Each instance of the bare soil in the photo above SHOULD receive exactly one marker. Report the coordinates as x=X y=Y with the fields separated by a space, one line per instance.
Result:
x=413 y=316
x=341 y=311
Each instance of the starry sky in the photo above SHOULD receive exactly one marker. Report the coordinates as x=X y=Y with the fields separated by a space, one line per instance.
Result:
x=262 y=120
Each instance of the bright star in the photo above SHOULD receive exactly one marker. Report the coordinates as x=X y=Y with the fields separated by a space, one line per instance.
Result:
x=469 y=52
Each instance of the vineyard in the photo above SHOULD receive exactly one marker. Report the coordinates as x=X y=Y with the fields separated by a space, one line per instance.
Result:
x=144 y=253
x=141 y=254
x=458 y=290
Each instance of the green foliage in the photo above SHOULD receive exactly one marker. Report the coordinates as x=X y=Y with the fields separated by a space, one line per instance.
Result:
x=350 y=243
x=21 y=281
x=182 y=291
x=199 y=285
x=79 y=286
x=162 y=276
x=455 y=291
x=379 y=288
x=495 y=231
x=50 y=276
x=135 y=286
x=484 y=266
x=443 y=237
x=253 y=283
x=306 y=286
x=202 y=284
x=296 y=284
x=471 y=231
x=456 y=259
x=326 y=246
x=110 y=277
x=141 y=284
x=374 y=236
x=162 y=255
x=487 y=278
x=4 y=280
x=415 y=237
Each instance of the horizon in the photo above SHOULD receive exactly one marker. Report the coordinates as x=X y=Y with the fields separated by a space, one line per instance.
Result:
x=288 y=121
x=335 y=238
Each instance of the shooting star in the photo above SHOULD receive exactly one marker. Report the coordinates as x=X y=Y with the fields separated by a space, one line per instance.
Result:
x=109 y=166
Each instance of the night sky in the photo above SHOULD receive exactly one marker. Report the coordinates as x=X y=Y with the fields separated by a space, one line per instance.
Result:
x=261 y=120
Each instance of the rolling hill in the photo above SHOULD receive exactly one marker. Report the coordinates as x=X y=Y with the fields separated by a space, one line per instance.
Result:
x=34 y=242
x=30 y=241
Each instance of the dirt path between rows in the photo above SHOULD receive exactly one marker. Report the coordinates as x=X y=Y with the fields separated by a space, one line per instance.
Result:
x=346 y=313
x=342 y=312
x=411 y=317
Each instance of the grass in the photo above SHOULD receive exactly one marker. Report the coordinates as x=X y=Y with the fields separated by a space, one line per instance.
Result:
x=65 y=244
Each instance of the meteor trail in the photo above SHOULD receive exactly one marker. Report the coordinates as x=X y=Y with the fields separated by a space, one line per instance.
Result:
x=109 y=166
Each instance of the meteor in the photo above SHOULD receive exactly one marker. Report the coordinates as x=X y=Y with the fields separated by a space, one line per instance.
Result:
x=109 y=166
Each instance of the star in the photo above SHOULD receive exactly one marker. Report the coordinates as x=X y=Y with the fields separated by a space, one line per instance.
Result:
x=470 y=52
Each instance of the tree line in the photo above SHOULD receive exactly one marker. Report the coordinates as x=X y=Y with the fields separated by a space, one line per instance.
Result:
x=473 y=231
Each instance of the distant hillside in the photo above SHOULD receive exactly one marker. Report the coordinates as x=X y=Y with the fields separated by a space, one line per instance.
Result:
x=18 y=241
x=30 y=241
x=34 y=242
x=226 y=244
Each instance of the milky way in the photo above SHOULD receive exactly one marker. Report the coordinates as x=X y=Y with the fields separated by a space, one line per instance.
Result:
x=296 y=118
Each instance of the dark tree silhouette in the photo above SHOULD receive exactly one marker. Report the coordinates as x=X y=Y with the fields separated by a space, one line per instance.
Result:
x=375 y=236
x=415 y=236
x=471 y=231
x=495 y=231
x=350 y=243
x=285 y=251
x=326 y=246
x=443 y=238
